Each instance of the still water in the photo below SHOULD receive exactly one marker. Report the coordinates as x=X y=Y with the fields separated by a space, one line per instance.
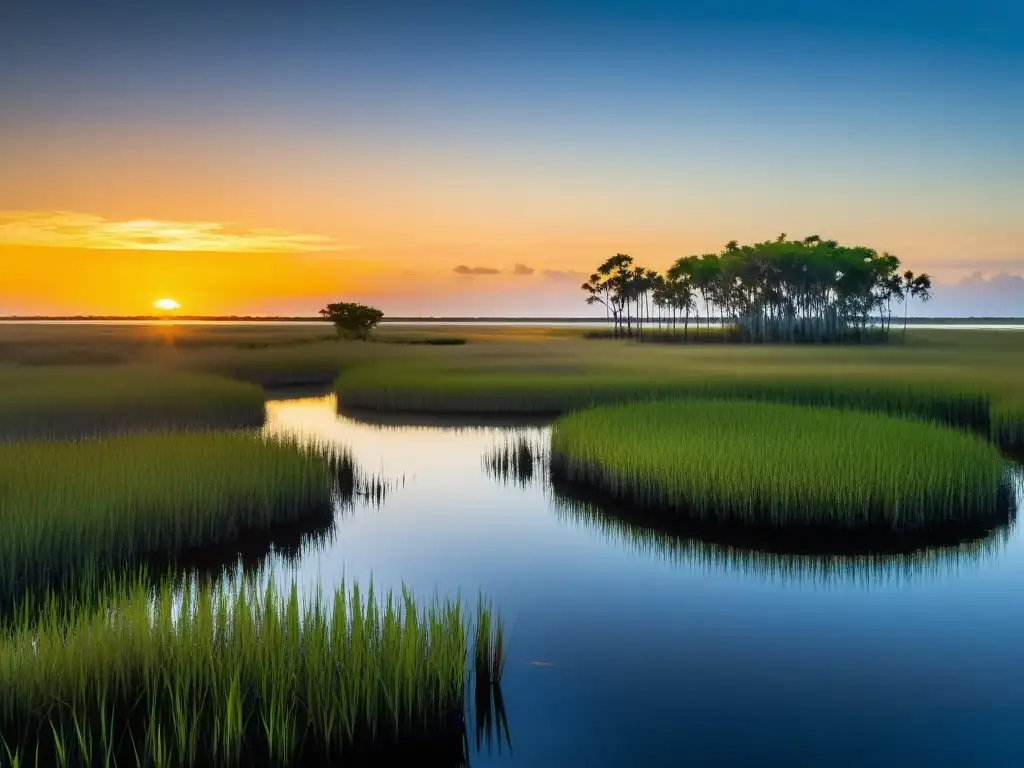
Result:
x=629 y=648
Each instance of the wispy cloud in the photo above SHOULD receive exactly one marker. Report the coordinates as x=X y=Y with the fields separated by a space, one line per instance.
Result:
x=66 y=229
x=522 y=269
x=462 y=269
x=560 y=275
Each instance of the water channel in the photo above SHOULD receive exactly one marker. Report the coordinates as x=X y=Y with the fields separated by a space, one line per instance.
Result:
x=630 y=646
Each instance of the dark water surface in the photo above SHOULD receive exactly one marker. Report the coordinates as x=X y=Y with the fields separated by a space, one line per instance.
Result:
x=629 y=647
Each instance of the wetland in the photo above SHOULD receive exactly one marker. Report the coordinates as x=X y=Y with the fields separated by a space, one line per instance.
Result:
x=497 y=609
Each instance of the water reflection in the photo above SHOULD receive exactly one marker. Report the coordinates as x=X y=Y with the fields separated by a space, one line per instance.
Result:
x=713 y=636
x=519 y=457
x=731 y=552
x=453 y=421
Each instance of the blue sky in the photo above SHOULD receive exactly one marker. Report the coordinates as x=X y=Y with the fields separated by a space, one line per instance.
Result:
x=540 y=133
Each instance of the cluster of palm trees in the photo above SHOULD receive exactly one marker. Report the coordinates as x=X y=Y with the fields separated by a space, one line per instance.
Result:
x=774 y=291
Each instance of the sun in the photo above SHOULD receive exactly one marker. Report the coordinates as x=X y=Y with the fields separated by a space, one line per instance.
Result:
x=166 y=304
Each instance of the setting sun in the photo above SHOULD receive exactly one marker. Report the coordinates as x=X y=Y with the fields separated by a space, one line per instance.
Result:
x=166 y=304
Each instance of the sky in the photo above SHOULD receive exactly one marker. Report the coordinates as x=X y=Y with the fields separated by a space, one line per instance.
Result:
x=460 y=158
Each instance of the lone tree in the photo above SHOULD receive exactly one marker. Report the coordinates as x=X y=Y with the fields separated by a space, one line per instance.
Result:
x=352 y=321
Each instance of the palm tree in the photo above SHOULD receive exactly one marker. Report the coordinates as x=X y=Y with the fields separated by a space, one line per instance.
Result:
x=661 y=297
x=609 y=286
x=598 y=292
x=919 y=287
x=907 y=290
x=811 y=290
x=680 y=279
x=683 y=299
x=705 y=278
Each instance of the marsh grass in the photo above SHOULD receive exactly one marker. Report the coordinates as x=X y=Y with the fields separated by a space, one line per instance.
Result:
x=653 y=334
x=244 y=676
x=432 y=341
x=519 y=458
x=68 y=507
x=772 y=466
x=961 y=378
x=75 y=402
x=819 y=561
x=498 y=393
x=469 y=422
x=491 y=728
x=1008 y=426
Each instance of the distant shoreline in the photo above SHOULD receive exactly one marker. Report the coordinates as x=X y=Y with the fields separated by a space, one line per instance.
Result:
x=435 y=320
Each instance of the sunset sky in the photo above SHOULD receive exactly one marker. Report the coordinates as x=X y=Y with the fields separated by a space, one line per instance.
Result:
x=481 y=158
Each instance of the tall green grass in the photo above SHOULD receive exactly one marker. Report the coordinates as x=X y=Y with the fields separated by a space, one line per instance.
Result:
x=775 y=466
x=73 y=402
x=68 y=507
x=225 y=677
x=961 y=378
x=1008 y=425
x=373 y=388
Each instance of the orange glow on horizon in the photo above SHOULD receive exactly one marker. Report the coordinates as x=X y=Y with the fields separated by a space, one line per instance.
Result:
x=64 y=263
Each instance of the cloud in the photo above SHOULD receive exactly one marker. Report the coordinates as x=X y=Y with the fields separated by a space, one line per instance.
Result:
x=522 y=269
x=1000 y=281
x=564 y=276
x=462 y=269
x=66 y=229
x=977 y=295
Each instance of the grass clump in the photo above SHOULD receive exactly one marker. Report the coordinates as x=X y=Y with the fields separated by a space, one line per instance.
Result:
x=73 y=402
x=66 y=507
x=776 y=466
x=228 y=677
x=1008 y=425
x=431 y=341
x=518 y=459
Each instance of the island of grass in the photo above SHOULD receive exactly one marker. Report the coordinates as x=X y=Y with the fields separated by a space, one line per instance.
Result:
x=98 y=669
x=67 y=402
x=67 y=507
x=775 y=466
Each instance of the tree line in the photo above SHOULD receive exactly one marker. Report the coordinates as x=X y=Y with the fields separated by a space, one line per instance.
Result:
x=809 y=290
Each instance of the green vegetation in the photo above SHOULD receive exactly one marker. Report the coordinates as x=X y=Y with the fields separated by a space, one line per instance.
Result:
x=778 y=466
x=48 y=402
x=68 y=507
x=659 y=335
x=554 y=393
x=352 y=321
x=235 y=677
x=517 y=369
x=91 y=674
x=963 y=378
x=809 y=290
x=434 y=341
x=1008 y=425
